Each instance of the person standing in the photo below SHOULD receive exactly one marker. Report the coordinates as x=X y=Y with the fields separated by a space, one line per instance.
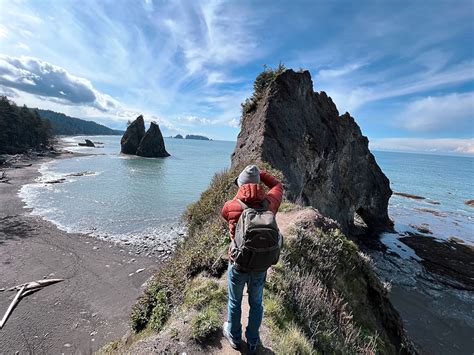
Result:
x=255 y=246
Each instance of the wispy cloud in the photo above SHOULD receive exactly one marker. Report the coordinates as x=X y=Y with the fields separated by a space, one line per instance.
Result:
x=344 y=70
x=439 y=113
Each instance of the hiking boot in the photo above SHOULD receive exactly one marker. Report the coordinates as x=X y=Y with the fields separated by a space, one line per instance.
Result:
x=252 y=349
x=235 y=345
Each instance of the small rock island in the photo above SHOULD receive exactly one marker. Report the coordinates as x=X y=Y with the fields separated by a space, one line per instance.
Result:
x=136 y=141
x=198 y=137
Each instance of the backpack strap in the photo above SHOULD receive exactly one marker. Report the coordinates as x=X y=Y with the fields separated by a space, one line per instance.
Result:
x=242 y=204
x=264 y=204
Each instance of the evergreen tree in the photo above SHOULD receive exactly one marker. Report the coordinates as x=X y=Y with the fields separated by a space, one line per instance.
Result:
x=21 y=129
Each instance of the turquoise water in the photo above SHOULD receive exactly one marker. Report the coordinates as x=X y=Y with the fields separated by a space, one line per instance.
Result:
x=125 y=196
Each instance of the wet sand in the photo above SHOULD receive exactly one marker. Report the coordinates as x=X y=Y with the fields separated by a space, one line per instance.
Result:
x=79 y=315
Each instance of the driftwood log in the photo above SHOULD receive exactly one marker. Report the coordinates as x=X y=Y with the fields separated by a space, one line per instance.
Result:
x=25 y=290
x=12 y=305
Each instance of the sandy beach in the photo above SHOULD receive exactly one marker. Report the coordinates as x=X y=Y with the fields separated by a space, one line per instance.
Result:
x=79 y=315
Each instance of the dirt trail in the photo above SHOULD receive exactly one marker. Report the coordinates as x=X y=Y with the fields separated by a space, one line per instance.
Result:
x=225 y=348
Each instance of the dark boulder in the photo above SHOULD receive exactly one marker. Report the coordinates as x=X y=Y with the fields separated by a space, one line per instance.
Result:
x=152 y=144
x=133 y=136
x=324 y=157
x=88 y=143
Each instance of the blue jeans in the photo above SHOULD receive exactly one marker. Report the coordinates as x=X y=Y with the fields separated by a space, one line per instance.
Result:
x=255 y=282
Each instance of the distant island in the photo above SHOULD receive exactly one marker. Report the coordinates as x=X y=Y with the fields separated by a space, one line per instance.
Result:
x=198 y=137
x=64 y=125
x=191 y=136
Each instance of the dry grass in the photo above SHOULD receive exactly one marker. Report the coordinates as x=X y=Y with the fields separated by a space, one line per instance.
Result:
x=304 y=290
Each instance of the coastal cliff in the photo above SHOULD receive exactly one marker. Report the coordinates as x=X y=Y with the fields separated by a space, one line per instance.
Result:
x=323 y=156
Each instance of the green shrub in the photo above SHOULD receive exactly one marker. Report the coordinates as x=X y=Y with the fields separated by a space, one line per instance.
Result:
x=202 y=292
x=287 y=206
x=160 y=312
x=205 y=323
x=294 y=341
x=141 y=312
x=310 y=284
x=260 y=86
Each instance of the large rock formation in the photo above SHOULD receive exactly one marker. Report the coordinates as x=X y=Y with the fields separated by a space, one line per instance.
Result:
x=133 y=136
x=136 y=142
x=152 y=144
x=324 y=156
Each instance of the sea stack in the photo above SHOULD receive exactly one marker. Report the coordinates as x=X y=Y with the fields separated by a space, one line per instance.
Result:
x=152 y=144
x=133 y=136
x=136 y=142
x=323 y=156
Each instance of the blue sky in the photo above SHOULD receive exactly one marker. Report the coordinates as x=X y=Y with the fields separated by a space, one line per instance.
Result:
x=403 y=69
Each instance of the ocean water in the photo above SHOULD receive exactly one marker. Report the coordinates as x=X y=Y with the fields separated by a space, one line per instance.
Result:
x=445 y=182
x=126 y=197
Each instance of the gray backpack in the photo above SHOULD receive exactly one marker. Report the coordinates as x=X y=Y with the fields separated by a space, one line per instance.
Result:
x=257 y=242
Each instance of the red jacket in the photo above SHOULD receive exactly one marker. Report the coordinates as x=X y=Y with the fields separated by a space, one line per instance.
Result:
x=252 y=195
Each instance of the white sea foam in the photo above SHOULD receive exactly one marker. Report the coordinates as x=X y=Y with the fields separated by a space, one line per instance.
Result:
x=396 y=246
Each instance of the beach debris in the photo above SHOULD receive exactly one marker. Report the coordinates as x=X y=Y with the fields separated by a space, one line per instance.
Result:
x=404 y=194
x=21 y=166
x=424 y=228
x=82 y=173
x=35 y=284
x=15 y=301
x=433 y=212
x=25 y=290
x=56 y=181
x=4 y=178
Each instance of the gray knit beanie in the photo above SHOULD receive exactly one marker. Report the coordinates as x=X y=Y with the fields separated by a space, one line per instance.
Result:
x=250 y=175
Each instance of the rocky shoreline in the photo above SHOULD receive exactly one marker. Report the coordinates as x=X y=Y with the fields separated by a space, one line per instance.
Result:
x=430 y=282
x=102 y=279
